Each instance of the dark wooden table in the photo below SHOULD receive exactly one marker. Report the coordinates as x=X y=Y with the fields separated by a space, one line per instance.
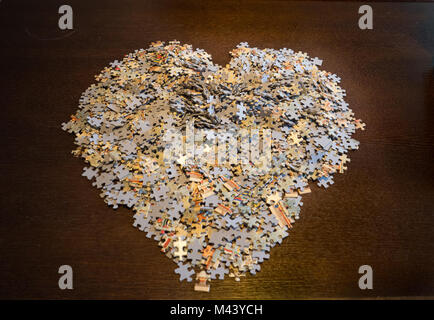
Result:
x=379 y=213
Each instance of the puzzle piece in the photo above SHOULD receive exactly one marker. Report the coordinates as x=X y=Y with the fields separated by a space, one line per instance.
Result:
x=184 y=271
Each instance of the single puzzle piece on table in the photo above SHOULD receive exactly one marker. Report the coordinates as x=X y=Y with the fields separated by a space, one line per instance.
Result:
x=218 y=272
x=89 y=173
x=180 y=251
x=202 y=285
x=141 y=222
x=260 y=255
x=325 y=181
x=184 y=271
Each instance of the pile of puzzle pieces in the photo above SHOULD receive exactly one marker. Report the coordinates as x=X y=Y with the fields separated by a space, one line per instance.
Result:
x=214 y=218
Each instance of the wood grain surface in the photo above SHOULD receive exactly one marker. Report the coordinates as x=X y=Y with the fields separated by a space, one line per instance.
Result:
x=379 y=213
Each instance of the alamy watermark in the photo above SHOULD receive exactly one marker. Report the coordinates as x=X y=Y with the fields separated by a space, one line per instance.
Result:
x=366 y=20
x=66 y=280
x=66 y=19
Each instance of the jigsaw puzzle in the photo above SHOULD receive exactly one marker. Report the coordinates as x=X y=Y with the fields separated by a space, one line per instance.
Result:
x=213 y=160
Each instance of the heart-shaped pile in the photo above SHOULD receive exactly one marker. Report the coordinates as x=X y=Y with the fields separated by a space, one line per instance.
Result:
x=213 y=160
